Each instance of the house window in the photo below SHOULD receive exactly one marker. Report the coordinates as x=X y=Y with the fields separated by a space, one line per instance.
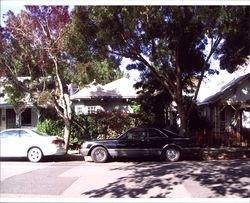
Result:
x=91 y=109
x=26 y=117
x=79 y=110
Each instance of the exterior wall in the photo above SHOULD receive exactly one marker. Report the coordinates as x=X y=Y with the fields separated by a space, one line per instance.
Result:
x=107 y=105
x=3 y=116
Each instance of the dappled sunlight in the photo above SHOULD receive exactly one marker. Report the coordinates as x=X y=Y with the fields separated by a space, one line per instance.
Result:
x=217 y=178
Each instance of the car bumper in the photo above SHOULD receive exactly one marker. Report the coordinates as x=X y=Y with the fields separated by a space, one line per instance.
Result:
x=84 y=151
x=54 y=151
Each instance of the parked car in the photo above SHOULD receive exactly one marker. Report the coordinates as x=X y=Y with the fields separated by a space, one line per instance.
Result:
x=139 y=142
x=20 y=142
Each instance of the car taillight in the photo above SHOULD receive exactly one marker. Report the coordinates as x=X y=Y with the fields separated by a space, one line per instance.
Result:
x=55 y=142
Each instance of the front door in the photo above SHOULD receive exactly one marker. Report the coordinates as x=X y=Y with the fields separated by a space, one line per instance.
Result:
x=10 y=118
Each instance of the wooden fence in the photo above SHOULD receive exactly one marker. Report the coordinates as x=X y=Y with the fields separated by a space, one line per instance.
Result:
x=228 y=139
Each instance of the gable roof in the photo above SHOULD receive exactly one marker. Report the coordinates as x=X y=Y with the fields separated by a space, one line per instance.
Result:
x=225 y=89
x=121 y=88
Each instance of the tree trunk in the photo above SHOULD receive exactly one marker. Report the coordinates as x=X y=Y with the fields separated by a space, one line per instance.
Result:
x=67 y=129
x=183 y=119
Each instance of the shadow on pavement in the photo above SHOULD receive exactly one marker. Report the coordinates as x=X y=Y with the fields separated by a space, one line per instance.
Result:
x=58 y=158
x=220 y=178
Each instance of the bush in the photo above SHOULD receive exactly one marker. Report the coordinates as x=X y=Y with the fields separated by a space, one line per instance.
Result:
x=51 y=127
x=96 y=126
x=105 y=125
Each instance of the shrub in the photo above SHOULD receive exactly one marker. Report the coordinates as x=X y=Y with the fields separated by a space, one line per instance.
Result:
x=51 y=127
x=96 y=126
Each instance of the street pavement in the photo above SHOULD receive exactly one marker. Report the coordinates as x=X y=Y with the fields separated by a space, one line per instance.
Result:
x=72 y=177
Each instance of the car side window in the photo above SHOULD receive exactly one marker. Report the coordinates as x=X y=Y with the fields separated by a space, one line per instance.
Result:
x=155 y=134
x=136 y=135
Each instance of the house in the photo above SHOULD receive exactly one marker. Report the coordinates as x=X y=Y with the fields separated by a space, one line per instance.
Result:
x=114 y=96
x=8 y=118
x=228 y=110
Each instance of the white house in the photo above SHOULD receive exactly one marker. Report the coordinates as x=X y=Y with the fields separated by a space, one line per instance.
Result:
x=114 y=96
x=8 y=117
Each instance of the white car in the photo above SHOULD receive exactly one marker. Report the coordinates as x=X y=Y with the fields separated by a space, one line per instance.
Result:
x=22 y=142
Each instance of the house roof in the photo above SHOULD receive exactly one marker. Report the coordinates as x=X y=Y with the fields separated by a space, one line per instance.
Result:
x=121 y=88
x=225 y=89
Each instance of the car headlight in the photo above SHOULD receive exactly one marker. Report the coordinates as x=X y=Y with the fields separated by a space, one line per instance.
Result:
x=85 y=145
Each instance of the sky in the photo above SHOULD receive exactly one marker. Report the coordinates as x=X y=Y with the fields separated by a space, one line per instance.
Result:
x=209 y=86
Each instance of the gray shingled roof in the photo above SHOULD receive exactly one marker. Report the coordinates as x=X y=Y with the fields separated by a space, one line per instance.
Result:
x=225 y=88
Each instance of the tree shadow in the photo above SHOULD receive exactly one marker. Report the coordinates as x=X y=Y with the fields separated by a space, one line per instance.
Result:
x=52 y=158
x=157 y=180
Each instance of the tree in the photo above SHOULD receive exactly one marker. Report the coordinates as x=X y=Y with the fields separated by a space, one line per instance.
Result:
x=175 y=43
x=33 y=46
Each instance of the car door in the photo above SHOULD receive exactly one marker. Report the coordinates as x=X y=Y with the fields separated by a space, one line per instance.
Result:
x=9 y=143
x=155 y=141
x=132 y=143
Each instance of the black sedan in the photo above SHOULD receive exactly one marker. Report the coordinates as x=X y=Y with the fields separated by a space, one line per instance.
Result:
x=139 y=142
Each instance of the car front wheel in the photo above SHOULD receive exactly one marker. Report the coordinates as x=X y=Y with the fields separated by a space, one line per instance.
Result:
x=171 y=154
x=99 y=155
x=35 y=154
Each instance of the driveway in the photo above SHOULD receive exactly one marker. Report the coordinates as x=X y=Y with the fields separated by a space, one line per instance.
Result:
x=75 y=178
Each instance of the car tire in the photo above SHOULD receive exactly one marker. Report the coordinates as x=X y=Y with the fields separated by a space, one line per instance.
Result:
x=35 y=154
x=99 y=155
x=171 y=154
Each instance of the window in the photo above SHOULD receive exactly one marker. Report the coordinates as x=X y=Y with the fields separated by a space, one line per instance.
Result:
x=9 y=134
x=135 y=135
x=153 y=133
x=79 y=110
x=26 y=117
x=91 y=109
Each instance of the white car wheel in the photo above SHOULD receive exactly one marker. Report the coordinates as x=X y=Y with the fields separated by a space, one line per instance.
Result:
x=35 y=154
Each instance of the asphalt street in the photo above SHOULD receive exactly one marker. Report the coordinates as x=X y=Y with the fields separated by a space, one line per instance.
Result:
x=75 y=178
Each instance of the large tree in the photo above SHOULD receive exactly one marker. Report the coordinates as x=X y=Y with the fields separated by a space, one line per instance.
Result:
x=33 y=46
x=175 y=43
x=36 y=60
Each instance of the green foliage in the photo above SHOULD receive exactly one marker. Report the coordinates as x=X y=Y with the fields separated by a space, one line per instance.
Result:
x=170 y=42
x=51 y=127
x=104 y=125
x=95 y=126
x=102 y=72
x=136 y=106
x=15 y=96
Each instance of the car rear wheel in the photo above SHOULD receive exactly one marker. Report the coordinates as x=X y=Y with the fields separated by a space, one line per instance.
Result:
x=99 y=155
x=171 y=154
x=35 y=154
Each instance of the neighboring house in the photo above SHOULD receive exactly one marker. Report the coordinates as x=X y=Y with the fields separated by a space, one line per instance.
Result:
x=229 y=110
x=114 y=96
x=8 y=118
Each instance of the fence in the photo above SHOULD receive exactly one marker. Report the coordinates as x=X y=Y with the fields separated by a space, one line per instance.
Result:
x=217 y=139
